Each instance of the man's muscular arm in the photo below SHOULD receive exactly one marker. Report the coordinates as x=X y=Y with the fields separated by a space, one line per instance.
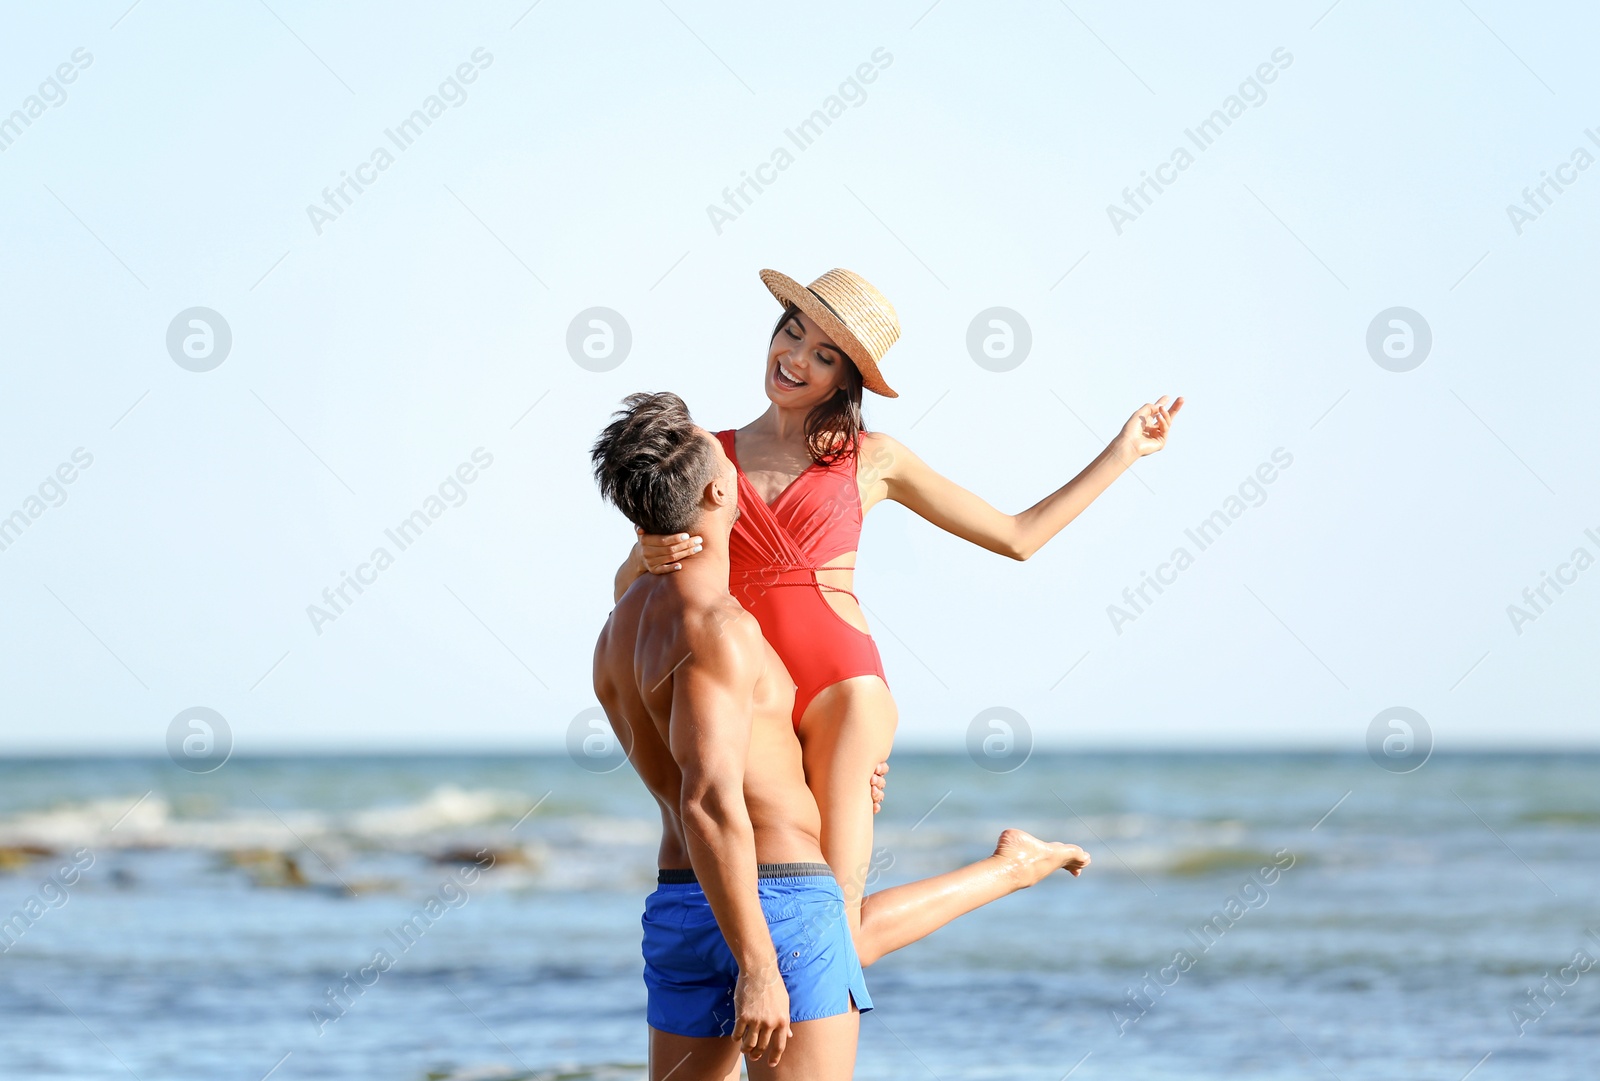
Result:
x=712 y=702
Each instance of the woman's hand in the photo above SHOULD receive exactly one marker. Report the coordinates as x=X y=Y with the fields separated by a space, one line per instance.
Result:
x=879 y=783
x=1146 y=431
x=662 y=554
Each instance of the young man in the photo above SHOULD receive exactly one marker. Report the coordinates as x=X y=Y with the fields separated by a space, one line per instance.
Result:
x=747 y=948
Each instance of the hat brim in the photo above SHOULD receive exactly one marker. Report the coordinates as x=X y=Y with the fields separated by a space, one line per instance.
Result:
x=789 y=291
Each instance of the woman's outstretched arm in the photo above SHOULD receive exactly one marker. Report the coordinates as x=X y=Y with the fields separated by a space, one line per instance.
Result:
x=910 y=481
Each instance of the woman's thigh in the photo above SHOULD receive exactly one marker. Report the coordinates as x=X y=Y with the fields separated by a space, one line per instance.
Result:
x=846 y=731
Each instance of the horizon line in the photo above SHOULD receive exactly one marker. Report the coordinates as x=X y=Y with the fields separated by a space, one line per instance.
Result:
x=1146 y=749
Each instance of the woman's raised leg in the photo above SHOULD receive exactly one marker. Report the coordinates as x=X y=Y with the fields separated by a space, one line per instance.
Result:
x=847 y=729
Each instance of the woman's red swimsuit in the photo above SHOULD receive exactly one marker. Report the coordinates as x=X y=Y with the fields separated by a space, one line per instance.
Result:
x=782 y=545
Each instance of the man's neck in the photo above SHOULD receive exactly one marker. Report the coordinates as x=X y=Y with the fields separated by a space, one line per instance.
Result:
x=710 y=564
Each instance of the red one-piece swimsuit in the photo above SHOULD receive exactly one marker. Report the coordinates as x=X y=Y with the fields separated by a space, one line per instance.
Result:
x=775 y=552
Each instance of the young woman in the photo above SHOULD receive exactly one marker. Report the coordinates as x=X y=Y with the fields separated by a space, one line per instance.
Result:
x=808 y=472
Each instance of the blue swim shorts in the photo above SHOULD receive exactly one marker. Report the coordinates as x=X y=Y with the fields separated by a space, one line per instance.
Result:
x=689 y=972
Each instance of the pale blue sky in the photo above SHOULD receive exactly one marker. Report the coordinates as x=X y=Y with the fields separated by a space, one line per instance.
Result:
x=370 y=361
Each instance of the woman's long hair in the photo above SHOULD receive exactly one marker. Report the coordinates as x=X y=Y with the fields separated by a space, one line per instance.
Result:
x=833 y=426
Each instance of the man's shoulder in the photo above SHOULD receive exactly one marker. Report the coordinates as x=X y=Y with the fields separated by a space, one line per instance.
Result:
x=720 y=632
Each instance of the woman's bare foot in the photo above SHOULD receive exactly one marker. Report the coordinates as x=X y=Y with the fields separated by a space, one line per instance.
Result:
x=1028 y=859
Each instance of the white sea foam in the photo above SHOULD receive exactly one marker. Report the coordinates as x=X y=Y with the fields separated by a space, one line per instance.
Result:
x=74 y=824
x=549 y=850
x=445 y=807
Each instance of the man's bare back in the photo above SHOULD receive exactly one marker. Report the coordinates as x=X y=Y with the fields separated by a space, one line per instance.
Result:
x=672 y=629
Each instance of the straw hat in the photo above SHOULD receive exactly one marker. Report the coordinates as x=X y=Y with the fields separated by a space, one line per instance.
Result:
x=847 y=307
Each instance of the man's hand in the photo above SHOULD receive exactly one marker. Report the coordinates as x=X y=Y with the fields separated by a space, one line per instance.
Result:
x=879 y=784
x=661 y=553
x=761 y=1013
x=1146 y=431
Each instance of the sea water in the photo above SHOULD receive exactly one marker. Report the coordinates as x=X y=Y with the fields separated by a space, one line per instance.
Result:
x=1245 y=915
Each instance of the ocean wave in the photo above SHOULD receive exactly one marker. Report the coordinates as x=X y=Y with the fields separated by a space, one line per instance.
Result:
x=559 y=846
x=370 y=850
x=447 y=819
x=445 y=807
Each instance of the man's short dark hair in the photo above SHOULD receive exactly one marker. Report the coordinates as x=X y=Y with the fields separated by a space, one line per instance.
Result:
x=653 y=463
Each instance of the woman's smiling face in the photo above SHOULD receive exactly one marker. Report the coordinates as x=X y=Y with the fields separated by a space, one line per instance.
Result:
x=804 y=367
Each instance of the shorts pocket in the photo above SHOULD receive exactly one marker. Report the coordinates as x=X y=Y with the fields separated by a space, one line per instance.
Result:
x=662 y=920
x=807 y=929
x=794 y=940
